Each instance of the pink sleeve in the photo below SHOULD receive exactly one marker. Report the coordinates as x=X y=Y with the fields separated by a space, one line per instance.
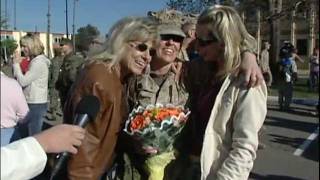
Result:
x=21 y=104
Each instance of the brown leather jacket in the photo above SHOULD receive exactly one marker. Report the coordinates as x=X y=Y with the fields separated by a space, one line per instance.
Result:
x=97 y=152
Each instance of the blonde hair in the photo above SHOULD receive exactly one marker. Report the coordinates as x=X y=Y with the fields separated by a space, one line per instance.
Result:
x=126 y=30
x=33 y=43
x=226 y=25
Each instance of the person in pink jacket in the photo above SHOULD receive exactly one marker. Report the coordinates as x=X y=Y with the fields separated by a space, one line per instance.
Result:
x=14 y=107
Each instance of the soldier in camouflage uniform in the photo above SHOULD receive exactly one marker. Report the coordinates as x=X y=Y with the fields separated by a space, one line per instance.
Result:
x=69 y=69
x=160 y=85
x=55 y=106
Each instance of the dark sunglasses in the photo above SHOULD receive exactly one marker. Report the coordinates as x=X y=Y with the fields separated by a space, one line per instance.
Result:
x=205 y=42
x=174 y=38
x=143 y=47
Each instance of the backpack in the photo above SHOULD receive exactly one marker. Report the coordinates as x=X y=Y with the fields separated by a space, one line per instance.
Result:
x=286 y=71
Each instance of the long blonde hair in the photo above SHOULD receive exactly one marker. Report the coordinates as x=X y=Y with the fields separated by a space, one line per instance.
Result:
x=226 y=25
x=126 y=30
x=33 y=43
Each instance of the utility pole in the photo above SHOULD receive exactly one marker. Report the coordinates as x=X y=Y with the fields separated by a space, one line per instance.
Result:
x=6 y=14
x=67 y=19
x=15 y=14
x=48 y=31
x=73 y=27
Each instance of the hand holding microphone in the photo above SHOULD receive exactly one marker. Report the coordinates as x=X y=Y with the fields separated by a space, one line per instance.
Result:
x=63 y=137
x=86 y=111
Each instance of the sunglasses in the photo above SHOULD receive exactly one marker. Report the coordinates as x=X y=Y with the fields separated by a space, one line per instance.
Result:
x=174 y=38
x=205 y=42
x=142 y=47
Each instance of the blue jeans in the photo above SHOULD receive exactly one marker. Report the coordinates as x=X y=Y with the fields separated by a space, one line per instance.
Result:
x=35 y=117
x=6 y=134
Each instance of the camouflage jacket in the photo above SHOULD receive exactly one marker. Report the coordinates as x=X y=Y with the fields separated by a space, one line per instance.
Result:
x=144 y=90
x=56 y=63
x=68 y=73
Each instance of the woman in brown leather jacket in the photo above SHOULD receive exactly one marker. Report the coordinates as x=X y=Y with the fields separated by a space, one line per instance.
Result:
x=104 y=76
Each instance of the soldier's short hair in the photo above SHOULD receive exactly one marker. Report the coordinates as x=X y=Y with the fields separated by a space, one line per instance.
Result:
x=188 y=25
x=66 y=41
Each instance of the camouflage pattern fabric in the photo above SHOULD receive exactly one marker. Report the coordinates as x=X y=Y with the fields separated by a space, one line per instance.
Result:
x=54 y=99
x=68 y=73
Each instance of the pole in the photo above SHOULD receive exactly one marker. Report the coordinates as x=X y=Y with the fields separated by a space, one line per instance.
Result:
x=6 y=14
x=48 y=31
x=259 y=33
x=73 y=27
x=15 y=15
x=67 y=19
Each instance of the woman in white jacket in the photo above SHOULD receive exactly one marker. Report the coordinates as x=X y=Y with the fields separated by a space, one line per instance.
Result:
x=229 y=114
x=34 y=81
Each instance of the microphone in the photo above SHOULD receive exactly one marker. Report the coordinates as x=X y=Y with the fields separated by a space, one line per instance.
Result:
x=86 y=111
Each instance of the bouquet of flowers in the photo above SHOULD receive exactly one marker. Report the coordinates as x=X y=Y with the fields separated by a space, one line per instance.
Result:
x=157 y=126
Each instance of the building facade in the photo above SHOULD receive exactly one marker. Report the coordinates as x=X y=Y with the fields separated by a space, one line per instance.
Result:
x=54 y=38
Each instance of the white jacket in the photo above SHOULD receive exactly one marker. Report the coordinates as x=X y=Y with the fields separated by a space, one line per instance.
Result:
x=35 y=81
x=231 y=137
x=22 y=159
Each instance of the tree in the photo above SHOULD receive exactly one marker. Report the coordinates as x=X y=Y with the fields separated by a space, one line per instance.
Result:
x=190 y=6
x=8 y=46
x=85 y=35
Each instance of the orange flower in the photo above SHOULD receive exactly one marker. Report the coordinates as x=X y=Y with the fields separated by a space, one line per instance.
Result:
x=137 y=123
x=157 y=114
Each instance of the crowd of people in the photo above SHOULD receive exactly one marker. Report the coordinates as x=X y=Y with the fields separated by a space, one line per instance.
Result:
x=208 y=66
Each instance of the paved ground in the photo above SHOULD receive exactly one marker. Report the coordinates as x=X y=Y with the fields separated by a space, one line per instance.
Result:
x=285 y=133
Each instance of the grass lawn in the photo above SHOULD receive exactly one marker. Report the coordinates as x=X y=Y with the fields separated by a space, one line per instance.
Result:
x=300 y=90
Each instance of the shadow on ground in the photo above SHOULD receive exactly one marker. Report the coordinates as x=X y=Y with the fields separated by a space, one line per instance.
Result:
x=271 y=177
x=290 y=124
x=300 y=111
x=294 y=142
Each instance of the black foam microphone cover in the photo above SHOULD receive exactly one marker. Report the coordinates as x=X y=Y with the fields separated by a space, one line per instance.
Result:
x=86 y=110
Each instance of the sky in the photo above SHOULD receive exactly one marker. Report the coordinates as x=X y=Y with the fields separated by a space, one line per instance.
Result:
x=31 y=15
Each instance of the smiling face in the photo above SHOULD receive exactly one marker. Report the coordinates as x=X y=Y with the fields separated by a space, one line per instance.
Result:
x=137 y=57
x=168 y=48
x=207 y=45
